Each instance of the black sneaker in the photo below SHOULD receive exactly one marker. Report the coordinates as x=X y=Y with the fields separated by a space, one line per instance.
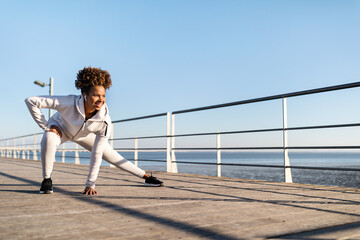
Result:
x=46 y=186
x=153 y=182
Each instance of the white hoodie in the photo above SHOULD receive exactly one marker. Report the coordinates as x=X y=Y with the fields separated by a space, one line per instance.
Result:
x=70 y=117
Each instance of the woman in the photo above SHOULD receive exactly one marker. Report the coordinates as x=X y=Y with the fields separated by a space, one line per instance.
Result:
x=84 y=120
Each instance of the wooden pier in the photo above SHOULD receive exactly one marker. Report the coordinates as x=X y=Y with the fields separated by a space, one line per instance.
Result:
x=188 y=207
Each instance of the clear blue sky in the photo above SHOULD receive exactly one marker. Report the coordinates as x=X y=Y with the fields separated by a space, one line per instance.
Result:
x=172 y=55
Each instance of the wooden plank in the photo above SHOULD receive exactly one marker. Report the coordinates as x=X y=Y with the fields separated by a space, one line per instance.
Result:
x=188 y=207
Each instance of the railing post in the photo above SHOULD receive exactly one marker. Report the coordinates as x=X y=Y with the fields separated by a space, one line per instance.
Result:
x=287 y=169
x=34 y=149
x=63 y=154
x=173 y=157
x=136 y=152
x=77 y=160
x=28 y=152
x=1 y=150
x=14 y=149
x=9 y=150
x=218 y=151
x=168 y=142
x=23 y=149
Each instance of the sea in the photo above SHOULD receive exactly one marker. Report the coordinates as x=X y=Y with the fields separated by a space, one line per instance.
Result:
x=194 y=163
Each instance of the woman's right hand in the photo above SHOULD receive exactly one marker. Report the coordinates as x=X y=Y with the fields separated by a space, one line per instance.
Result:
x=89 y=191
x=55 y=129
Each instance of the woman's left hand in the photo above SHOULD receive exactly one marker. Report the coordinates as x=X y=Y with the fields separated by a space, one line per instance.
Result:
x=89 y=191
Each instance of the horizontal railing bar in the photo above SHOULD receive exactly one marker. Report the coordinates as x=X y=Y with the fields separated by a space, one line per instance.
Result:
x=230 y=132
x=21 y=145
x=326 y=168
x=207 y=148
x=297 y=167
x=245 y=131
x=228 y=148
x=200 y=134
x=324 y=126
x=272 y=129
x=71 y=150
x=324 y=147
x=274 y=97
x=200 y=163
x=145 y=137
x=231 y=164
x=251 y=165
x=28 y=135
x=140 y=149
x=147 y=160
x=271 y=148
x=75 y=157
x=27 y=144
x=270 y=166
x=139 y=118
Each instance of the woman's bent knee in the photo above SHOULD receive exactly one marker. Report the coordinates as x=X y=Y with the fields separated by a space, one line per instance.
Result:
x=50 y=139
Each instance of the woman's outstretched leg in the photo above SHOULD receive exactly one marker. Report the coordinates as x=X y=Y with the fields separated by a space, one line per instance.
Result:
x=114 y=158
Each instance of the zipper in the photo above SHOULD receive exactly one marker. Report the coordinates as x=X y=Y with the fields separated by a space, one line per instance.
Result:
x=106 y=128
x=82 y=126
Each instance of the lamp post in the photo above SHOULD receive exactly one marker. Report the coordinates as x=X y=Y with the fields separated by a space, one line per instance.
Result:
x=51 y=88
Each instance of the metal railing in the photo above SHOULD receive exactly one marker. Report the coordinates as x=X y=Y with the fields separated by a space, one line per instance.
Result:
x=8 y=149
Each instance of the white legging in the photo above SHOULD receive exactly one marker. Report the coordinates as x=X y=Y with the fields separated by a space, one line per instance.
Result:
x=51 y=141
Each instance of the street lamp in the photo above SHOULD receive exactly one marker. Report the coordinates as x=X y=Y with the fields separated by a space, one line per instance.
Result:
x=51 y=88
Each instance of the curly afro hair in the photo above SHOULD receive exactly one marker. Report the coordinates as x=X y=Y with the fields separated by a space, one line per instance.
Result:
x=90 y=77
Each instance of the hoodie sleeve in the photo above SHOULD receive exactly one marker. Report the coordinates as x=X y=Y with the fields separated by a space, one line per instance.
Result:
x=100 y=143
x=35 y=104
